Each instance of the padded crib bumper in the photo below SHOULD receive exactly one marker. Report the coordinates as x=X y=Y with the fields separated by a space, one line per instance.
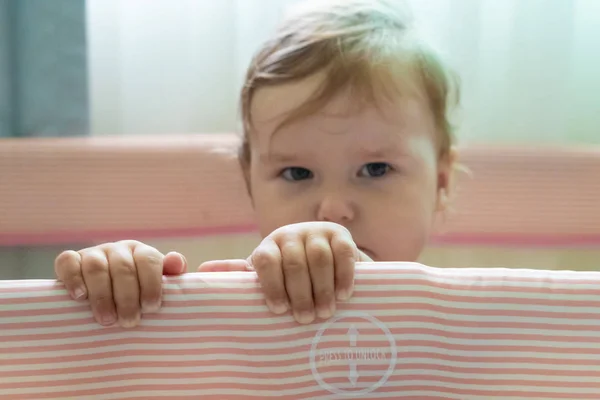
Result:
x=410 y=332
x=69 y=190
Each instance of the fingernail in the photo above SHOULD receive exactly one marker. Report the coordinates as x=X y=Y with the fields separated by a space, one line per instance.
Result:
x=326 y=312
x=304 y=317
x=183 y=262
x=277 y=307
x=78 y=293
x=344 y=294
x=108 y=319
x=130 y=322
x=151 y=306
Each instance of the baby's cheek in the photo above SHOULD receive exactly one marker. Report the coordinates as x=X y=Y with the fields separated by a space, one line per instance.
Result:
x=403 y=248
x=403 y=239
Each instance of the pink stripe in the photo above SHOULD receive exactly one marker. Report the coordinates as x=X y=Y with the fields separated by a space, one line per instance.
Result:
x=98 y=236
x=518 y=240
x=251 y=396
x=500 y=364
x=98 y=343
x=564 y=313
x=303 y=350
x=537 y=363
x=487 y=278
x=383 y=293
x=188 y=376
x=385 y=272
x=358 y=294
x=276 y=376
x=490 y=285
x=262 y=315
x=38 y=312
x=299 y=336
x=386 y=389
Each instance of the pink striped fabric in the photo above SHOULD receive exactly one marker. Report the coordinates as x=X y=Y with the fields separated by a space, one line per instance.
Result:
x=410 y=332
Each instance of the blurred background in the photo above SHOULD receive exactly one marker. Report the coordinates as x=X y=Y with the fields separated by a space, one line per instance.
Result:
x=529 y=69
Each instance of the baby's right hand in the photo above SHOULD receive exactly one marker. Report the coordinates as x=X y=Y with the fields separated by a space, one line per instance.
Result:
x=120 y=279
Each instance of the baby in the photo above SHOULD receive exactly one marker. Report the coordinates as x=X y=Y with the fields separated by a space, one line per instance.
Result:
x=347 y=154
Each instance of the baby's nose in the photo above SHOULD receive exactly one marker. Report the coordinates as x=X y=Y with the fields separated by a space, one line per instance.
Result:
x=336 y=209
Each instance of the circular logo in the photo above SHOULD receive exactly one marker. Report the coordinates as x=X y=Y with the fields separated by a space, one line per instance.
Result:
x=353 y=354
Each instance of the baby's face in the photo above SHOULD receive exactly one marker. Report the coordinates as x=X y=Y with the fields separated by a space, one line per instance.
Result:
x=376 y=171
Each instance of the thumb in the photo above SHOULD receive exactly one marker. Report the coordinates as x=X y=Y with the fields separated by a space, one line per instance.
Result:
x=362 y=257
x=225 y=266
x=174 y=264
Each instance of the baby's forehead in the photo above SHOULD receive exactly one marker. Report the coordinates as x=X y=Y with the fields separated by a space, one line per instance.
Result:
x=344 y=114
x=318 y=137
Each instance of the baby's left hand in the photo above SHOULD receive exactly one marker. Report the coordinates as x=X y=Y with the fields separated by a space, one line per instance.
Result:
x=304 y=266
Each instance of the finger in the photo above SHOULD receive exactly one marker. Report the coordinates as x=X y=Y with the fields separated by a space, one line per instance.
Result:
x=297 y=279
x=174 y=264
x=322 y=274
x=224 y=266
x=345 y=254
x=67 y=267
x=363 y=257
x=149 y=266
x=266 y=261
x=96 y=276
x=125 y=284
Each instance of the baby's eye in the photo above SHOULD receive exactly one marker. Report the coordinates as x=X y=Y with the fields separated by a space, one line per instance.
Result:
x=296 y=174
x=375 y=170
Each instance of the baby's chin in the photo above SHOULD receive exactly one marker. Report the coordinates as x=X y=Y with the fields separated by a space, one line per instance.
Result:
x=397 y=254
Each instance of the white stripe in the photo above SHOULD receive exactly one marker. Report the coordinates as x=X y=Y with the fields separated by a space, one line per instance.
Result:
x=473 y=303
x=478 y=273
x=406 y=394
x=461 y=277
x=49 y=305
x=552 y=358
x=469 y=294
x=113 y=368
x=300 y=357
x=279 y=385
x=396 y=329
x=479 y=291
x=474 y=294
x=98 y=332
x=404 y=339
x=447 y=276
x=100 y=336
x=265 y=380
x=45 y=317
x=386 y=270
x=27 y=283
x=226 y=372
x=255 y=394
x=32 y=294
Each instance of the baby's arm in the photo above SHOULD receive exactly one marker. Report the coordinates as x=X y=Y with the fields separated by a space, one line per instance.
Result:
x=120 y=279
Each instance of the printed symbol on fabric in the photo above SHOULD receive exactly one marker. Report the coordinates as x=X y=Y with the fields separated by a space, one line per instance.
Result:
x=353 y=354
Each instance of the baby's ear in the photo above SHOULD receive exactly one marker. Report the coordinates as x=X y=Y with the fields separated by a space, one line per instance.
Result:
x=445 y=182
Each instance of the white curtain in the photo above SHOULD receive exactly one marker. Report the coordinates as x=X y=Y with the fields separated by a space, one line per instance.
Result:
x=530 y=68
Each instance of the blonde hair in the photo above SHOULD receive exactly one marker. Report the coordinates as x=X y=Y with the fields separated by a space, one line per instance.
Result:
x=366 y=46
